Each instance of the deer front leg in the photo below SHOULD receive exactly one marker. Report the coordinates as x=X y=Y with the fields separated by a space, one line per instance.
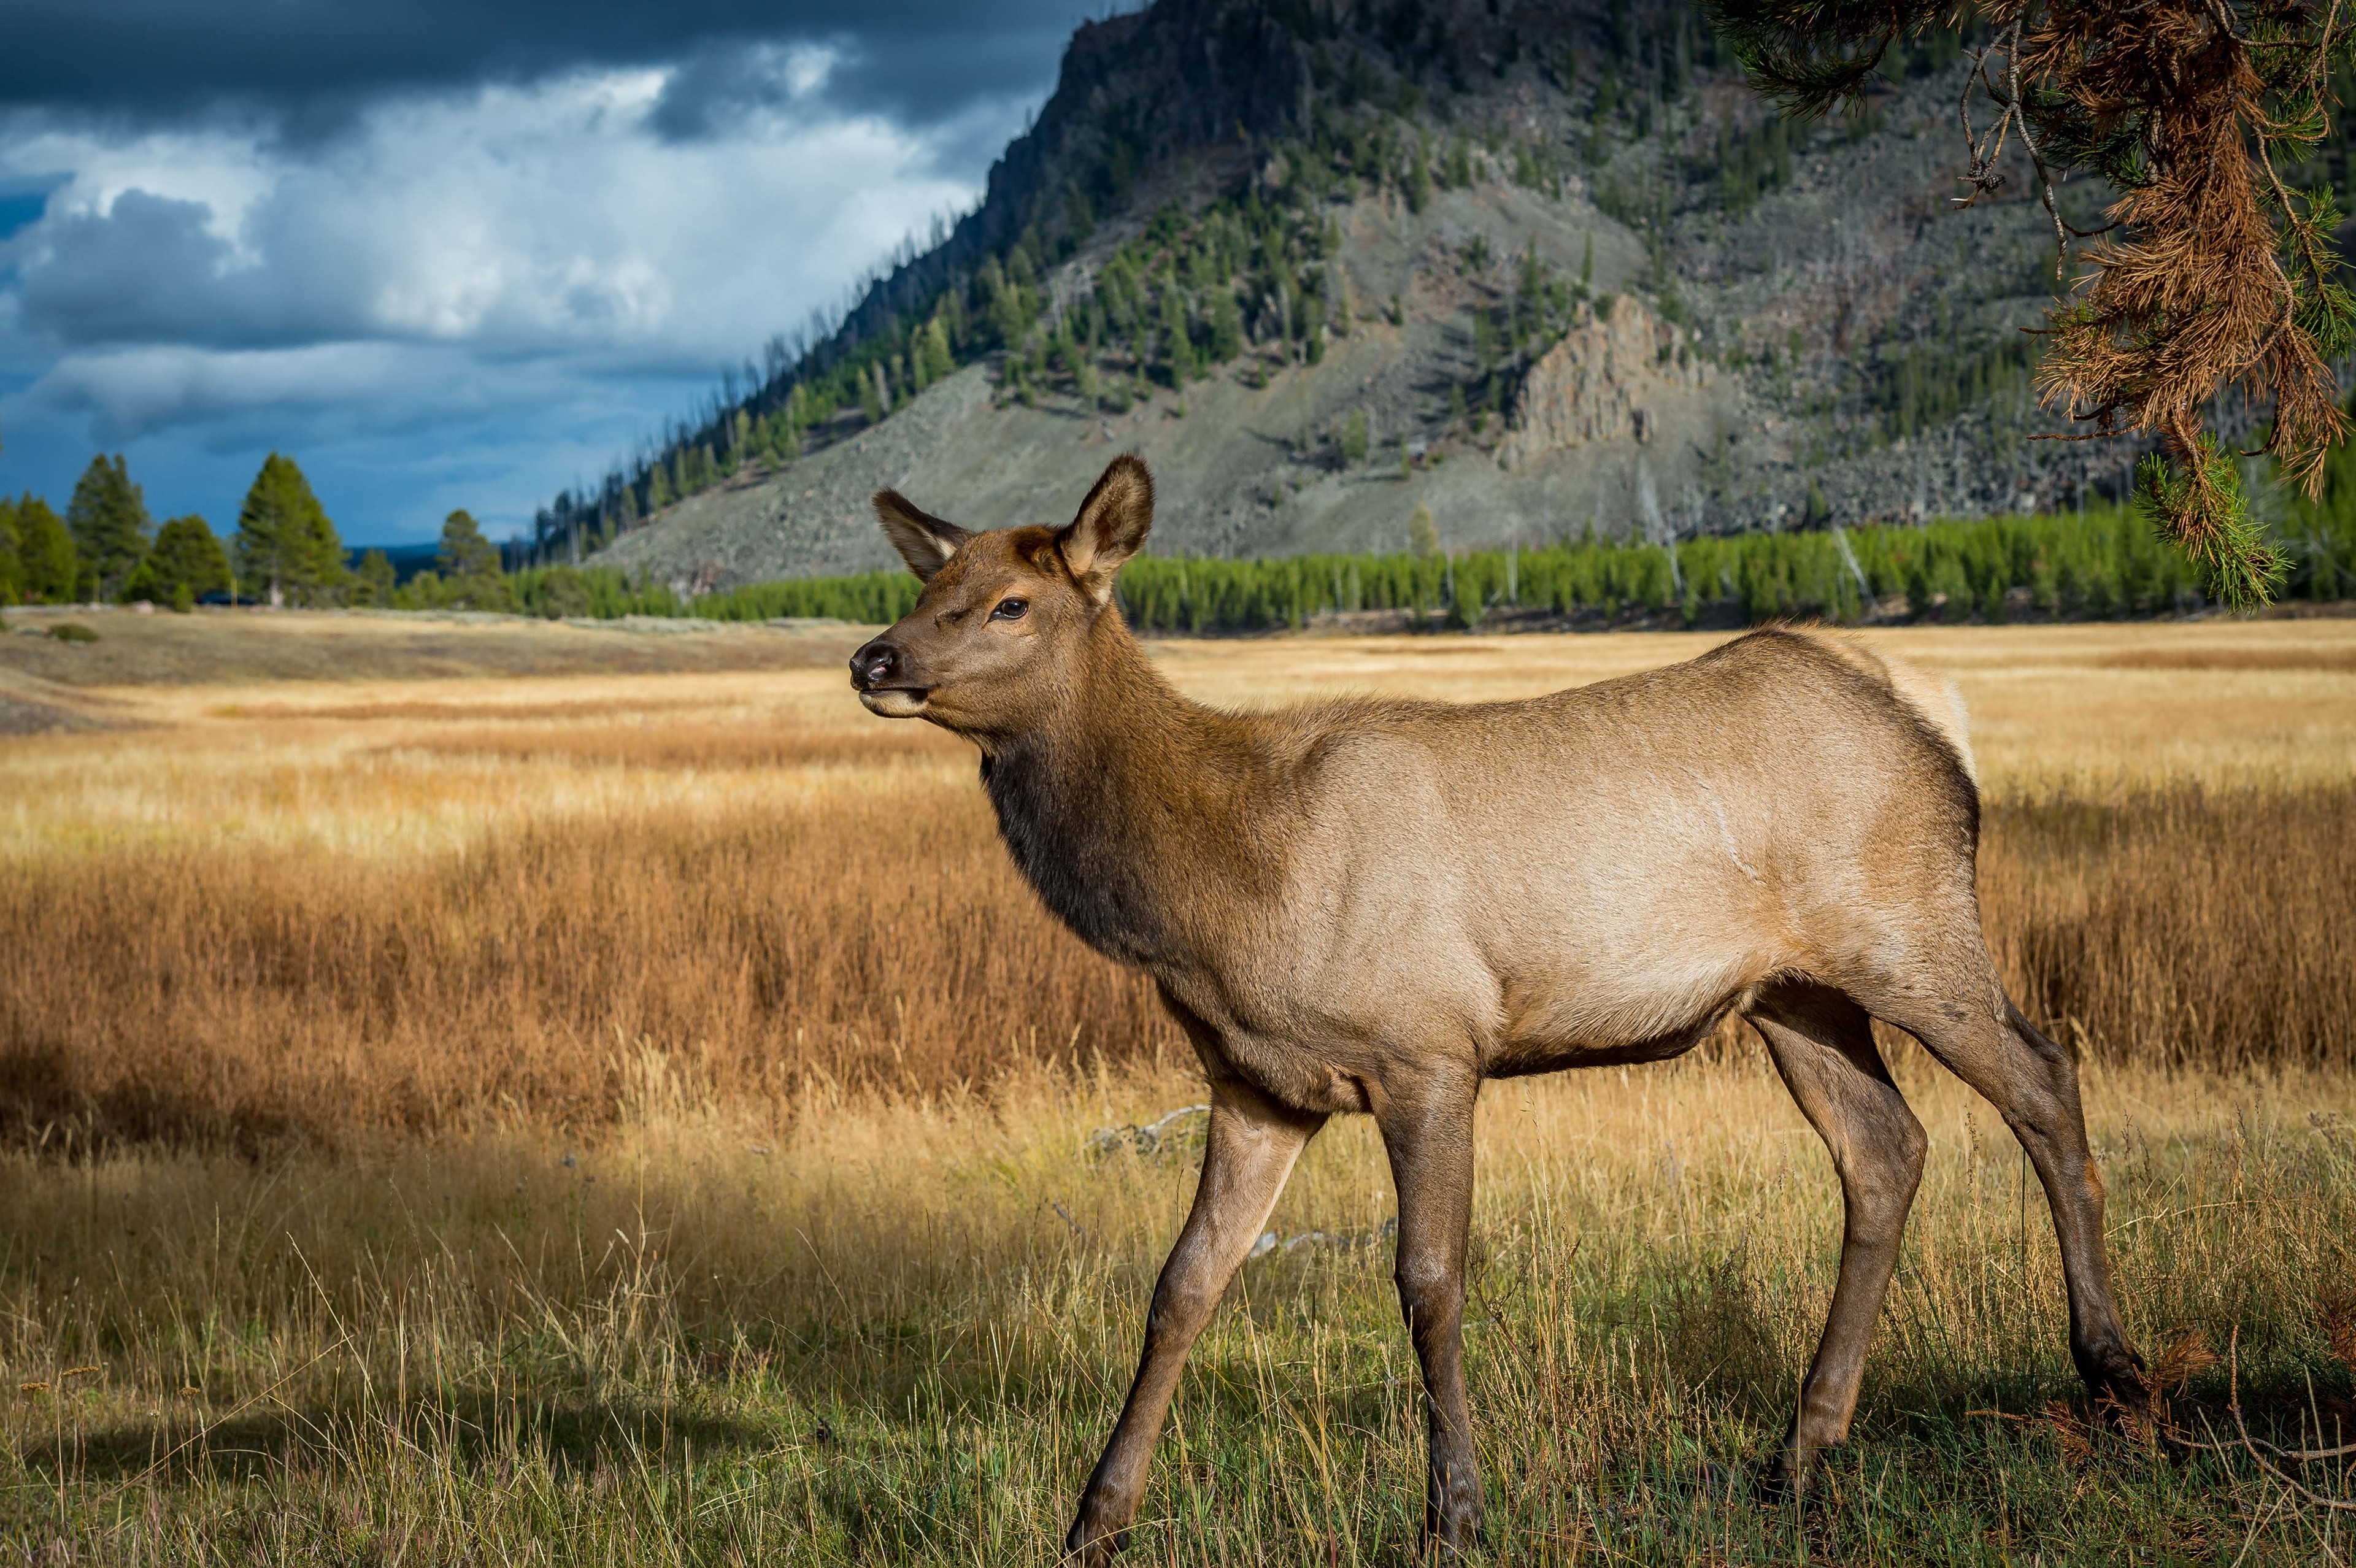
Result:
x=1429 y=1132
x=1252 y=1144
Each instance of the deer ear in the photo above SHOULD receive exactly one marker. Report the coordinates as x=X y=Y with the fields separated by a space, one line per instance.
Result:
x=925 y=541
x=1112 y=527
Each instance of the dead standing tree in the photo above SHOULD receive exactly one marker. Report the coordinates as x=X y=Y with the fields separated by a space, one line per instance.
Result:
x=2211 y=272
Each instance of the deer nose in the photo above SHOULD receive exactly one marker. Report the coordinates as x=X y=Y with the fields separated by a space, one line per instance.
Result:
x=873 y=665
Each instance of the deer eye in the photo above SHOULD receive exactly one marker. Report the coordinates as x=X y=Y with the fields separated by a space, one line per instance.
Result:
x=1009 y=609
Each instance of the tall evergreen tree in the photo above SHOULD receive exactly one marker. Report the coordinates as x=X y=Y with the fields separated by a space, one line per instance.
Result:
x=464 y=551
x=11 y=579
x=1177 y=348
x=377 y=578
x=187 y=556
x=286 y=548
x=107 y=518
x=47 y=563
x=1422 y=532
x=935 y=347
x=470 y=566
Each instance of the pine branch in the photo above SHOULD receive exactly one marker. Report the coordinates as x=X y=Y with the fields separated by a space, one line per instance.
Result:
x=2211 y=271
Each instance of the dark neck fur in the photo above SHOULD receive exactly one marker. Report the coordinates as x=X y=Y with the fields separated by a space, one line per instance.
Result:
x=1128 y=804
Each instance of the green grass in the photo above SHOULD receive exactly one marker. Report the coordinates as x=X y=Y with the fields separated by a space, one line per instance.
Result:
x=878 y=1340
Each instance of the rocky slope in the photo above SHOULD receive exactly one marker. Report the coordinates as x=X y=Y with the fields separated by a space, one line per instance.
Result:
x=1736 y=328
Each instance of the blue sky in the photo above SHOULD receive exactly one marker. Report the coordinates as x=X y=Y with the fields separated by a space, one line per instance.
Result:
x=452 y=255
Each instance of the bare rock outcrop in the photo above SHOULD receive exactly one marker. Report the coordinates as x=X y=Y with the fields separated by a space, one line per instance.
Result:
x=1614 y=376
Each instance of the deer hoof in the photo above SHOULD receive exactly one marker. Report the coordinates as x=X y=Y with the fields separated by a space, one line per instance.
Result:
x=1782 y=1475
x=1091 y=1543
x=2115 y=1383
x=1448 y=1540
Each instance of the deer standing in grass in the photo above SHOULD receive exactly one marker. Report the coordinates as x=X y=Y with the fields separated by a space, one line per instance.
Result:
x=1374 y=906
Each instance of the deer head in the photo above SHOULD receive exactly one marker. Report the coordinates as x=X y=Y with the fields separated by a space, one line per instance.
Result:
x=1004 y=616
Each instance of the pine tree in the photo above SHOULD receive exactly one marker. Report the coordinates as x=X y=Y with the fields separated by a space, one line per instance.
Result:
x=658 y=488
x=1422 y=533
x=1227 y=324
x=1178 y=350
x=47 y=562
x=11 y=584
x=107 y=518
x=187 y=557
x=936 y=350
x=287 y=547
x=377 y=580
x=1355 y=438
x=464 y=553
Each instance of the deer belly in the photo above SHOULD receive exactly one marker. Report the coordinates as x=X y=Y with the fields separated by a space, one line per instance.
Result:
x=1601 y=1009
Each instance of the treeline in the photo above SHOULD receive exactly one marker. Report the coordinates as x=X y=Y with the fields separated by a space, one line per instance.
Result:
x=108 y=548
x=2108 y=563
x=2104 y=563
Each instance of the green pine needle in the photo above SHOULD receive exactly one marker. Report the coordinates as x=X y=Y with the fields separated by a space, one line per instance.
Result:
x=2203 y=511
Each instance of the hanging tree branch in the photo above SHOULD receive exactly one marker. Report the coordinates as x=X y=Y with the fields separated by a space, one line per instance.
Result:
x=2212 y=273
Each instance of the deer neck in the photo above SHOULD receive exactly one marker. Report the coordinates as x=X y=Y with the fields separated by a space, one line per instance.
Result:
x=1134 y=811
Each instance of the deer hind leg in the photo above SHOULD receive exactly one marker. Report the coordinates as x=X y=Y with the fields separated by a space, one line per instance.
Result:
x=1962 y=1018
x=1247 y=1158
x=1822 y=1044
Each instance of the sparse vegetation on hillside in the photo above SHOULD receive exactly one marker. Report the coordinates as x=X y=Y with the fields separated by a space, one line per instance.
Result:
x=2209 y=273
x=1242 y=266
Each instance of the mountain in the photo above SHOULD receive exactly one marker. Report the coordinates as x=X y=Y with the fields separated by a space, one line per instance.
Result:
x=1538 y=270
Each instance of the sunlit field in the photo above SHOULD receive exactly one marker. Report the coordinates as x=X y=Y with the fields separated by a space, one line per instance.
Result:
x=618 y=1105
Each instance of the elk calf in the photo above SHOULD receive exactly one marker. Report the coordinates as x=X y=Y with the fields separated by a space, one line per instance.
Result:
x=1375 y=906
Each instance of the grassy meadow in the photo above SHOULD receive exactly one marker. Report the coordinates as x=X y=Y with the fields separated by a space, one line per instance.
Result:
x=532 y=1093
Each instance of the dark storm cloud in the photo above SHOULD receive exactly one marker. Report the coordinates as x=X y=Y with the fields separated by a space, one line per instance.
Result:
x=309 y=63
x=513 y=230
x=150 y=271
x=912 y=77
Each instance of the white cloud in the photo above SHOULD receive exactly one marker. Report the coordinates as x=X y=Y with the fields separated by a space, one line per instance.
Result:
x=444 y=259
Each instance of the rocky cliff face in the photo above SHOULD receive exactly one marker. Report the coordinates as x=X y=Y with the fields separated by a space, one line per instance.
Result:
x=1626 y=376
x=1627 y=302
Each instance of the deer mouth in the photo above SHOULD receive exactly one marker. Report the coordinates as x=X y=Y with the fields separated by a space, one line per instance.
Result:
x=895 y=701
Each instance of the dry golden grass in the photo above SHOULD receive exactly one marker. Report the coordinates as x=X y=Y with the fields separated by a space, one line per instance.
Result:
x=641 y=1118
x=215 y=648
x=272 y=916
